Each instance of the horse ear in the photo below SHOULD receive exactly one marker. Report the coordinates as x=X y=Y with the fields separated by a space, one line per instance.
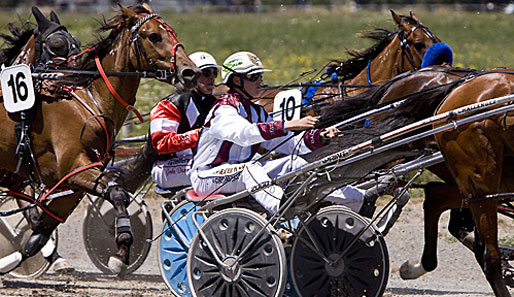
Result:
x=42 y=22
x=414 y=17
x=54 y=18
x=147 y=6
x=397 y=19
x=129 y=16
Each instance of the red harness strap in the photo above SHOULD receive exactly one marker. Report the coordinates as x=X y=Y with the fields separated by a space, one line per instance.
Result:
x=114 y=93
x=46 y=210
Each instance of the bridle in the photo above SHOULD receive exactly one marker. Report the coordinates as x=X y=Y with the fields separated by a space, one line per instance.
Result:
x=406 y=51
x=140 y=50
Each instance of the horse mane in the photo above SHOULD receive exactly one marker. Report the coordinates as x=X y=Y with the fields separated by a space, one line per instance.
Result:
x=418 y=106
x=348 y=69
x=99 y=48
x=20 y=37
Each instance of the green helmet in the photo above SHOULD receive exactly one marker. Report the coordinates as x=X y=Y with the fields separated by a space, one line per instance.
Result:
x=241 y=63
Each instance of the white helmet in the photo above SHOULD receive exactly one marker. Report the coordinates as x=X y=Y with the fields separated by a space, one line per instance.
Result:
x=241 y=63
x=204 y=60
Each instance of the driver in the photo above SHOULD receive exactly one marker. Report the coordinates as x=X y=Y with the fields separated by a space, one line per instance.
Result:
x=236 y=128
x=175 y=125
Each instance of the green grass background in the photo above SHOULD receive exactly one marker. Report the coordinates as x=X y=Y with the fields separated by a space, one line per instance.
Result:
x=292 y=41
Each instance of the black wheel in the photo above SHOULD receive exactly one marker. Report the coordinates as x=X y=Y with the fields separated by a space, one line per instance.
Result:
x=253 y=262
x=98 y=233
x=328 y=259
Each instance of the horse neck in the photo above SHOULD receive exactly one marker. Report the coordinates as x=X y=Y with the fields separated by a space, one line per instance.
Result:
x=384 y=66
x=117 y=60
x=27 y=53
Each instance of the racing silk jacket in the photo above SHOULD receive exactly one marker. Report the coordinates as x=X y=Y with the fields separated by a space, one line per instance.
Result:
x=176 y=121
x=235 y=129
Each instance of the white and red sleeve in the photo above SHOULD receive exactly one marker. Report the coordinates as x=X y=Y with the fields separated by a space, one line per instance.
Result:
x=164 y=121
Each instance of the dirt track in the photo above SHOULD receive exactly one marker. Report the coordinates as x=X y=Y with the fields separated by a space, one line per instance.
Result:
x=458 y=274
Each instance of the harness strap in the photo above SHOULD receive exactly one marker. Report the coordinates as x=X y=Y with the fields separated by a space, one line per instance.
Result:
x=28 y=198
x=368 y=73
x=114 y=93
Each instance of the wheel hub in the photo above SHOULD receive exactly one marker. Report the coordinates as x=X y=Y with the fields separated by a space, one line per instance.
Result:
x=336 y=266
x=232 y=271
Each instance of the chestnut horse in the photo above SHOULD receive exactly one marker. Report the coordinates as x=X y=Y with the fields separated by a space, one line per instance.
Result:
x=70 y=137
x=477 y=167
x=477 y=156
x=395 y=53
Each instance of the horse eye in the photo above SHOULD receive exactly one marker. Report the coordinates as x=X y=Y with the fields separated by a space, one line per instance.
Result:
x=419 y=46
x=155 y=37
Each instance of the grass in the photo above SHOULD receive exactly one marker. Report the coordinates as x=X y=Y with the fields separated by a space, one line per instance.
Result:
x=291 y=42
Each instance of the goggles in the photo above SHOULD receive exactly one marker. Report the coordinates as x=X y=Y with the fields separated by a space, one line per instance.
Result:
x=253 y=77
x=207 y=72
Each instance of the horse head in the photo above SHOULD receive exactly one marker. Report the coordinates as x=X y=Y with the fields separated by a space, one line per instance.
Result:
x=52 y=40
x=415 y=39
x=156 y=47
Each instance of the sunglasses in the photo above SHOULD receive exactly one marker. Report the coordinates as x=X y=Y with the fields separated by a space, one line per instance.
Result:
x=207 y=72
x=253 y=77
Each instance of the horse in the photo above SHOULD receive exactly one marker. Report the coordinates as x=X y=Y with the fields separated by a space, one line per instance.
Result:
x=425 y=90
x=46 y=43
x=394 y=53
x=69 y=155
x=477 y=156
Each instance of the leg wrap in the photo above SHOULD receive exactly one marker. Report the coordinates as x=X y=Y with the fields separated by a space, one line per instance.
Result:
x=34 y=244
x=123 y=224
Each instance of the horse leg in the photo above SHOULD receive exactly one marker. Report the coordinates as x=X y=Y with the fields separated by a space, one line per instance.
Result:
x=109 y=187
x=42 y=230
x=120 y=200
x=438 y=198
x=489 y=257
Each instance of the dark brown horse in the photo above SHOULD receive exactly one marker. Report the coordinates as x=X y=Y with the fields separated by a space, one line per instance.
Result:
x=70 y=136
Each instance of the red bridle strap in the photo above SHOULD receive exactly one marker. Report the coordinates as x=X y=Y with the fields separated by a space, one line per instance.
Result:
x=114 y=93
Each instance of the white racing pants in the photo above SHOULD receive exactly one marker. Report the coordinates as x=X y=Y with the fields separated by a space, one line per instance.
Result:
x=233 y=178
x=172 y=173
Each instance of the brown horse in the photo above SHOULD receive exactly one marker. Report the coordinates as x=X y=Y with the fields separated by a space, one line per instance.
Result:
x=395 y=53
x=477 y=156
x=478 y=167
x=68 y=136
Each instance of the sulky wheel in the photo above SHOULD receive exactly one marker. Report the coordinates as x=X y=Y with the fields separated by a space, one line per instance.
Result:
x=253 y=262
x=174 y=245
x=328 y=259
x=14 y=232
x=98 y=233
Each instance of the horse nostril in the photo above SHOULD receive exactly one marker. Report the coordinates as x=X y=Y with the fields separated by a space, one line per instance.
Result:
x=189 y=74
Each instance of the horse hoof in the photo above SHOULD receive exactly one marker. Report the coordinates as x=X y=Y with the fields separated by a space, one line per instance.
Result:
x=408 y=270
x=62 y=266
x=117 y=266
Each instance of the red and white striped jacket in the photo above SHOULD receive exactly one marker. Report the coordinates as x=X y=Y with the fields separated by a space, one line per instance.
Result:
x=176 y=121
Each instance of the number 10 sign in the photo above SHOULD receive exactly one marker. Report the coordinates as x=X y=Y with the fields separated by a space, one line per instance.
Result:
x=17 y=88
x=287 y=105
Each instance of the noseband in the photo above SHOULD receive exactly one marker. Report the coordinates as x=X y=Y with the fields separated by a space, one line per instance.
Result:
x=405 y=45
x=140 y=50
